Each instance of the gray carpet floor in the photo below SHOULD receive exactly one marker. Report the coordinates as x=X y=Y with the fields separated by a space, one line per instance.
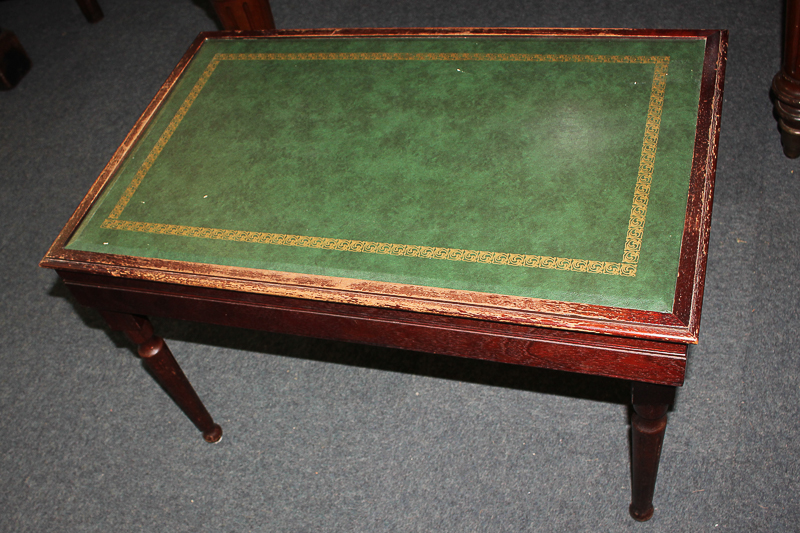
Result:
x=323 y=436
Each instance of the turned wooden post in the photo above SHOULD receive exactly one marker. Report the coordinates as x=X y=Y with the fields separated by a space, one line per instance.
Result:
x=244 y=14
x=648 y=423
x=786 y=84
x=14 y=61
x=91 y=10
x=157 y=358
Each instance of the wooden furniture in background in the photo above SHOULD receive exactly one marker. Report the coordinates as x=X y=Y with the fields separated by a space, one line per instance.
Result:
x=91 y=10
x=14 y=61
x=244 y=14
x=786 y=84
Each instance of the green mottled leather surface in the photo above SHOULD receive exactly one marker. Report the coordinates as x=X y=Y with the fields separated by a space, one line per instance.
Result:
x=510 y=166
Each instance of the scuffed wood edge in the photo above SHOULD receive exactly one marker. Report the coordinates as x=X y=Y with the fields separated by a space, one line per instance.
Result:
x=450 y=302
x=543 y=313
x=694 y=248
x=466 y=31
x=122 y=152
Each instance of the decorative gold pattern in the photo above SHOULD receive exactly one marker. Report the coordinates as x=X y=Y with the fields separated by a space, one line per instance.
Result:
x=633 y=242
x=395 y=56
x=162 y=141
x=345 y=245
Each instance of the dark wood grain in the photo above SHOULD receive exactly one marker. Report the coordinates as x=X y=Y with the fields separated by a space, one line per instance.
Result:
x=161 y=364
x=648 y=424
x=786 y=84
x=14 y=60
x=619 y=357
x=694 y=247
x=517 y=310
x=91 y=10
x=244 y=14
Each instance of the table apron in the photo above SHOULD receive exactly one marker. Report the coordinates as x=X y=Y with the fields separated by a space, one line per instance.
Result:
x=587 y=353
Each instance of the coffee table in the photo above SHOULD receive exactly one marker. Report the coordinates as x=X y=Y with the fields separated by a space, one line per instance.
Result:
x=534 y=197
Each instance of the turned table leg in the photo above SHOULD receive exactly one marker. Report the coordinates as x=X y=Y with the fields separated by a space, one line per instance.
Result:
x=14 y=61
x=648 y=422
x=91 y=10
x=244 y=14
x=786 y=84
x=162 y=365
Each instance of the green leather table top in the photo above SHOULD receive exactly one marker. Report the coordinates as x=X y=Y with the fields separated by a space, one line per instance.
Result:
x=553 y=168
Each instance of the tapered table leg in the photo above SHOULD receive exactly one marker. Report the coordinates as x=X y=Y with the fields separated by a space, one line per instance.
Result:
x=648 y=423
x=244 y=14
x=786 y=84
x=162 y=365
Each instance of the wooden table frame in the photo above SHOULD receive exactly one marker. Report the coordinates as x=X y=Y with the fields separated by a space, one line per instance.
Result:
x=647 y=348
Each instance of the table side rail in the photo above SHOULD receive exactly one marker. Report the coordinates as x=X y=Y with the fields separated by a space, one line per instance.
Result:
x=482 y=306
x=694 y=248
x=617 y=357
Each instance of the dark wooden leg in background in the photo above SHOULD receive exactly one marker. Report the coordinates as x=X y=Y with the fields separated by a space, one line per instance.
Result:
x=162 y=365
x=244 y=14
x=14 y=61
x=648 y=422
x=91 y=10
x=786 y=84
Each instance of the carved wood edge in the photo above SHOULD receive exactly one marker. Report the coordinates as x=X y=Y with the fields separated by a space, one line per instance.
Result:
x=679 y=326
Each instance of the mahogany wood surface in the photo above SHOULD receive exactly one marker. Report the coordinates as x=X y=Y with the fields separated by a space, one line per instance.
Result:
x=158 y=359
x=244 y=14
x=619 y=357
x=648 y=348
x=91 y=10
x=14 y=60
x=786 y=84
x=648 y=424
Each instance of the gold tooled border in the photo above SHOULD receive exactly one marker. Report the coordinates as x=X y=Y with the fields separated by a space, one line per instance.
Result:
x=635 y=233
